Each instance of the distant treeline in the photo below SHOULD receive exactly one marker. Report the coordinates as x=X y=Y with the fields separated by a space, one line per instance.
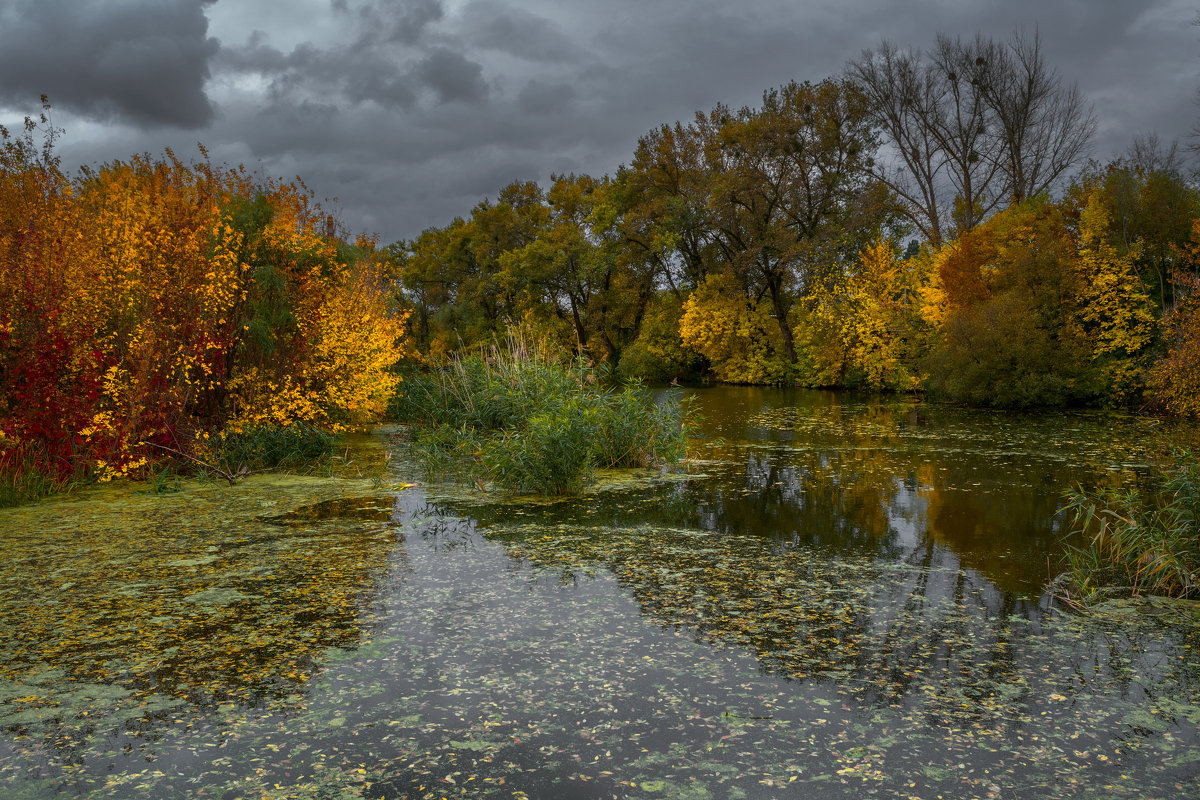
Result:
x=924 y=221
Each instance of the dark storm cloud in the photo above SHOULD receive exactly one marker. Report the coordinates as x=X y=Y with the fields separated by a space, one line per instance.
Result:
x=143 y=62
x=452 y=76
x=411 y=111
x=336 y=75
x=517 y=32
x=382 y=60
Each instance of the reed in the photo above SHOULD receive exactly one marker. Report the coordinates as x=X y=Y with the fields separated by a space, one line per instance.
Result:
x=26 y=476
x=1137 y=542
x=515 y=417
x=260 y=447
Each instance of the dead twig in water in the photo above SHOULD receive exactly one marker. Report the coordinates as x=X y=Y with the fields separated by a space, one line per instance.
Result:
x=232 y=477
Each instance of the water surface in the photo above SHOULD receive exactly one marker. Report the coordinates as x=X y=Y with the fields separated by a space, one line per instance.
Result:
x=840 y=598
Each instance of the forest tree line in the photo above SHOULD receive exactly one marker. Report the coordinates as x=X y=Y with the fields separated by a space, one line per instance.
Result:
x=924 y=221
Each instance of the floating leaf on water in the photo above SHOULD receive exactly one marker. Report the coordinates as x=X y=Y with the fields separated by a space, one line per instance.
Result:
x=193 y=562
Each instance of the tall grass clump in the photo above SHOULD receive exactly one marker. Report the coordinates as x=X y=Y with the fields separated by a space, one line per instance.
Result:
x=26 y=477
x=515 y=417
x=1137 y=542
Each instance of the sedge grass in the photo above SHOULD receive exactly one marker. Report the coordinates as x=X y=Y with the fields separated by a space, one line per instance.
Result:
x=254 y=448
x=26 y=476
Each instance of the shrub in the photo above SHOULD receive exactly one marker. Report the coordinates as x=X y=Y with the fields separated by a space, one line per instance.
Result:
x=257 y=447
x=552 y=453
x=634 y=430
x=524 y=422
x=145 y=300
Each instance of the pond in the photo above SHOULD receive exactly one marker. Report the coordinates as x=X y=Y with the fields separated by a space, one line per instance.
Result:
x=838 y=597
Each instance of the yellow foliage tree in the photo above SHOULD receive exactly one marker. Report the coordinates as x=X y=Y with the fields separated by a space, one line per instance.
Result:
x=149 y=302
x=735 y=333
x=874 y=310
x=1114 y=308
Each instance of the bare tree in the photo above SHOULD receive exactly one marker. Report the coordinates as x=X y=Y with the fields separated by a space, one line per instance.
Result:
x=904 y=96
x=1149 y=154
x=970 y=125
x=1043 y=126
x=963 y=130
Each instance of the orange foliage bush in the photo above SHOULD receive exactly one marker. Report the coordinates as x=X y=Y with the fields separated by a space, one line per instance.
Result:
x=1175 y=378
x=150 y=301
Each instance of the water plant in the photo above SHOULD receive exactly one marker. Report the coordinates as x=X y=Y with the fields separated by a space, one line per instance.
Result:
x=1136 y=542
x=513 y=416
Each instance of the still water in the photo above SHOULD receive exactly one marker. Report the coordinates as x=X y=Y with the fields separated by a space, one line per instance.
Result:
x=838 y=597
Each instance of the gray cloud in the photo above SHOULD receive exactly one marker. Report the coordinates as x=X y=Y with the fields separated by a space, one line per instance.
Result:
x=402 y=22
x=540 y=97
x=143 y=62
x=383 y=57
x=452 y=76
x=516 y=32
x=411 y=112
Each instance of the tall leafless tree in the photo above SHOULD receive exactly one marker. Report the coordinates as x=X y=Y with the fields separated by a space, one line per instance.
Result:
x=1043 y=126
x=904 y=96
x=971 y=125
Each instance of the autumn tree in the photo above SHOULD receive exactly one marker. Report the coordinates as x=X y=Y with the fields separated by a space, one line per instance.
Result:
x=564 y=267
x=559 y=260
x=147 y=303
x=1015 y=344
x=874 y=310
x=791 y=196
x=735 y=332
x=1112 y=303
x=1151 y=207
x=452 y=277
x=1174 y=379
x=664 y=211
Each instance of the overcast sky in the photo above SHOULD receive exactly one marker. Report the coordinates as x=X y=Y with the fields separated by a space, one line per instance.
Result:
x=410 y=112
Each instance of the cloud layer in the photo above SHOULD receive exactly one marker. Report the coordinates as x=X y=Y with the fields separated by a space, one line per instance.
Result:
x=411 y=112
x=142 y=63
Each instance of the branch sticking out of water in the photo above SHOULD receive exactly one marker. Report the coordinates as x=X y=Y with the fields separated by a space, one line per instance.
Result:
x=231 y=476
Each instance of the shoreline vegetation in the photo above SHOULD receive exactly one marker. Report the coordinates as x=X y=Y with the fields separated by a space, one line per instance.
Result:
x=515 y=417
x=159 y=316
x=1135 y=542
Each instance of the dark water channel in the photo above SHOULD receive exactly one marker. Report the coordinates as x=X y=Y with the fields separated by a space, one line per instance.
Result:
x=840 y=598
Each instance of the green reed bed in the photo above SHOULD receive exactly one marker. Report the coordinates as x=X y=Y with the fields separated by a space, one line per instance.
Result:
x=517 y=419
x=1137 y=542
x=26 y=478
x=239 y=451
x=260 y=447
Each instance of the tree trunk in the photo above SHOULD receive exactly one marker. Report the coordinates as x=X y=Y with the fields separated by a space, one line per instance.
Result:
x=779 y=304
